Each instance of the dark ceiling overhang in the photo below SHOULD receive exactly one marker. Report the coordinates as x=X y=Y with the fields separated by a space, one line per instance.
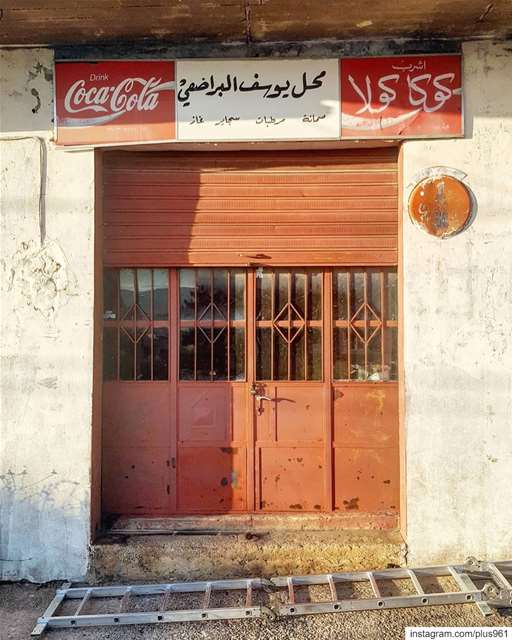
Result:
x=100 y=22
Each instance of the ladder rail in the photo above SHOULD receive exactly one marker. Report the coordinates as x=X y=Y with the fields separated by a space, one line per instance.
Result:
x=497 y=593
x=465 y=584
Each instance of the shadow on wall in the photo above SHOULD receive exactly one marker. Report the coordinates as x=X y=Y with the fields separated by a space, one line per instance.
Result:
x=43 y=528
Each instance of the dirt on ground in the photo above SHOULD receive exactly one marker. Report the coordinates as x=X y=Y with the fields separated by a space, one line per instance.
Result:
x=22 y=603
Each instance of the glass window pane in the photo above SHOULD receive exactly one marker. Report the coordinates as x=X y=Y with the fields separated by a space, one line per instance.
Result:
x=374 y=372
x=237 y=295
x=263 y=354
x=203 y=355
x=314 y=354
x=264 y=295
x=126 y=291
x=340 y=354
x=160 y=354
x=298 y=356
x=358 y=370
x=315 y=295
x=143 y=350
x=126 y=355
x=299 y=294
x=282 y=278
x=160 y=294
x=110 y=294
x=237 y=354
x=374 y=291
x=110 y=353
x=144 y=287
x=356 y=292
x=187 y=294
x=204 y=294
x=340 y=298
x=391 y=279
x=220 y=354
x=187 y=354
x=220 y=294
x=280 y=357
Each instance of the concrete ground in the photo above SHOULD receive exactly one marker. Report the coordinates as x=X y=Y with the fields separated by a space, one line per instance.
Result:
x=21 y=604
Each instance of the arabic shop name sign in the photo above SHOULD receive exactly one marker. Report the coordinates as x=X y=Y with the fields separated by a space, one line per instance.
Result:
x=116 y=102
x=258 y=100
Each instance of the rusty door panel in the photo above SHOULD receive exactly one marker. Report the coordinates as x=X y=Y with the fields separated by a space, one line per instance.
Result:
x=291 y=479
x=136 y=447
x=212 y=479
x=365 y=415
x=204 y=413
x=366 y=480
x=290 y=440
x=295 y=413
x=136 y=414
x=239 y=417
x=135 y=480
x=211 y=461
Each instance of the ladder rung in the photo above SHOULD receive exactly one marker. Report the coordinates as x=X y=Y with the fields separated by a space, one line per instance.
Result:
x=332 y=586
x=498 y=576
x=207 y=596
x=465 y=583
x=124 y=600
x=248 y=594
x=374 y=584
x=165 y=599
x=291 y=592
x=83 y=602
x=417 y=585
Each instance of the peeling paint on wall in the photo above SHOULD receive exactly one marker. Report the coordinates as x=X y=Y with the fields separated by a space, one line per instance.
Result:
x=43 y=276
x=40 y=69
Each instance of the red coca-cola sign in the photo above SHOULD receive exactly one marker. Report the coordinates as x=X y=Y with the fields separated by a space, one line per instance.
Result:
x=401 y=97
x=114 y=102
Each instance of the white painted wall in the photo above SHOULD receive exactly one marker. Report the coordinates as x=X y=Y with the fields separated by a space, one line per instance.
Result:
x=458 y=336
x=46 y=329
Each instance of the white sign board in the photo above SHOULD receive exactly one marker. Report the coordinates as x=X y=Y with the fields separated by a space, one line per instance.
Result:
x=258 y=100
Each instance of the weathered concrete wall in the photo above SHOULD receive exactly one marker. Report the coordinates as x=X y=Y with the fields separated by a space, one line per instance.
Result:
x=458 y=336
x=46 y=347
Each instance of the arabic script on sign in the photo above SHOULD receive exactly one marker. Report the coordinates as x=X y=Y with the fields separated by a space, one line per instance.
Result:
x=401 y=97
x=234 y=84
x=257 y=99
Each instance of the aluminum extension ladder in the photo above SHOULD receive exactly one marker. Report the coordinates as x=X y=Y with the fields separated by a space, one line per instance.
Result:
x=495 y=593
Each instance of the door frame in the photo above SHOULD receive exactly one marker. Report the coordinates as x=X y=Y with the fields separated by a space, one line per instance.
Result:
x=96 y=512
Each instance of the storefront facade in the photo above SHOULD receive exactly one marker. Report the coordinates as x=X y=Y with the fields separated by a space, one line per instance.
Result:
x=253 y=328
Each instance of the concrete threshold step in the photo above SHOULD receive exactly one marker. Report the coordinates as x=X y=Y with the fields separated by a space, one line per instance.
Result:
x=253 y=522
x=153 y=557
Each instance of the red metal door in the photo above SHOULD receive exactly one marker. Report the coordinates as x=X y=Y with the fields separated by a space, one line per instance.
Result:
x=212 y=397
x=291 y=391
x=236 y=388
x=250 y=390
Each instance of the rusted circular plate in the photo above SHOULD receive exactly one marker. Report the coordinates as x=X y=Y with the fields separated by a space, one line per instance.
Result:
x=441 y=205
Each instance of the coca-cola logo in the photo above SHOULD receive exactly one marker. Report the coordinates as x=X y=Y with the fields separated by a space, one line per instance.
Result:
x=130 y=94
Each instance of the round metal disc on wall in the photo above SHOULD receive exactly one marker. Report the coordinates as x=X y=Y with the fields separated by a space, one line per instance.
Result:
x=440 y=205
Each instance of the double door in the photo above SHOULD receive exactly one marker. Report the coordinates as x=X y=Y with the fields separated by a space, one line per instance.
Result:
x=230 y=390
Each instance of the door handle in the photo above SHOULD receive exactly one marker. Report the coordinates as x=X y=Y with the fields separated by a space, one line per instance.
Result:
x=258 y=397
